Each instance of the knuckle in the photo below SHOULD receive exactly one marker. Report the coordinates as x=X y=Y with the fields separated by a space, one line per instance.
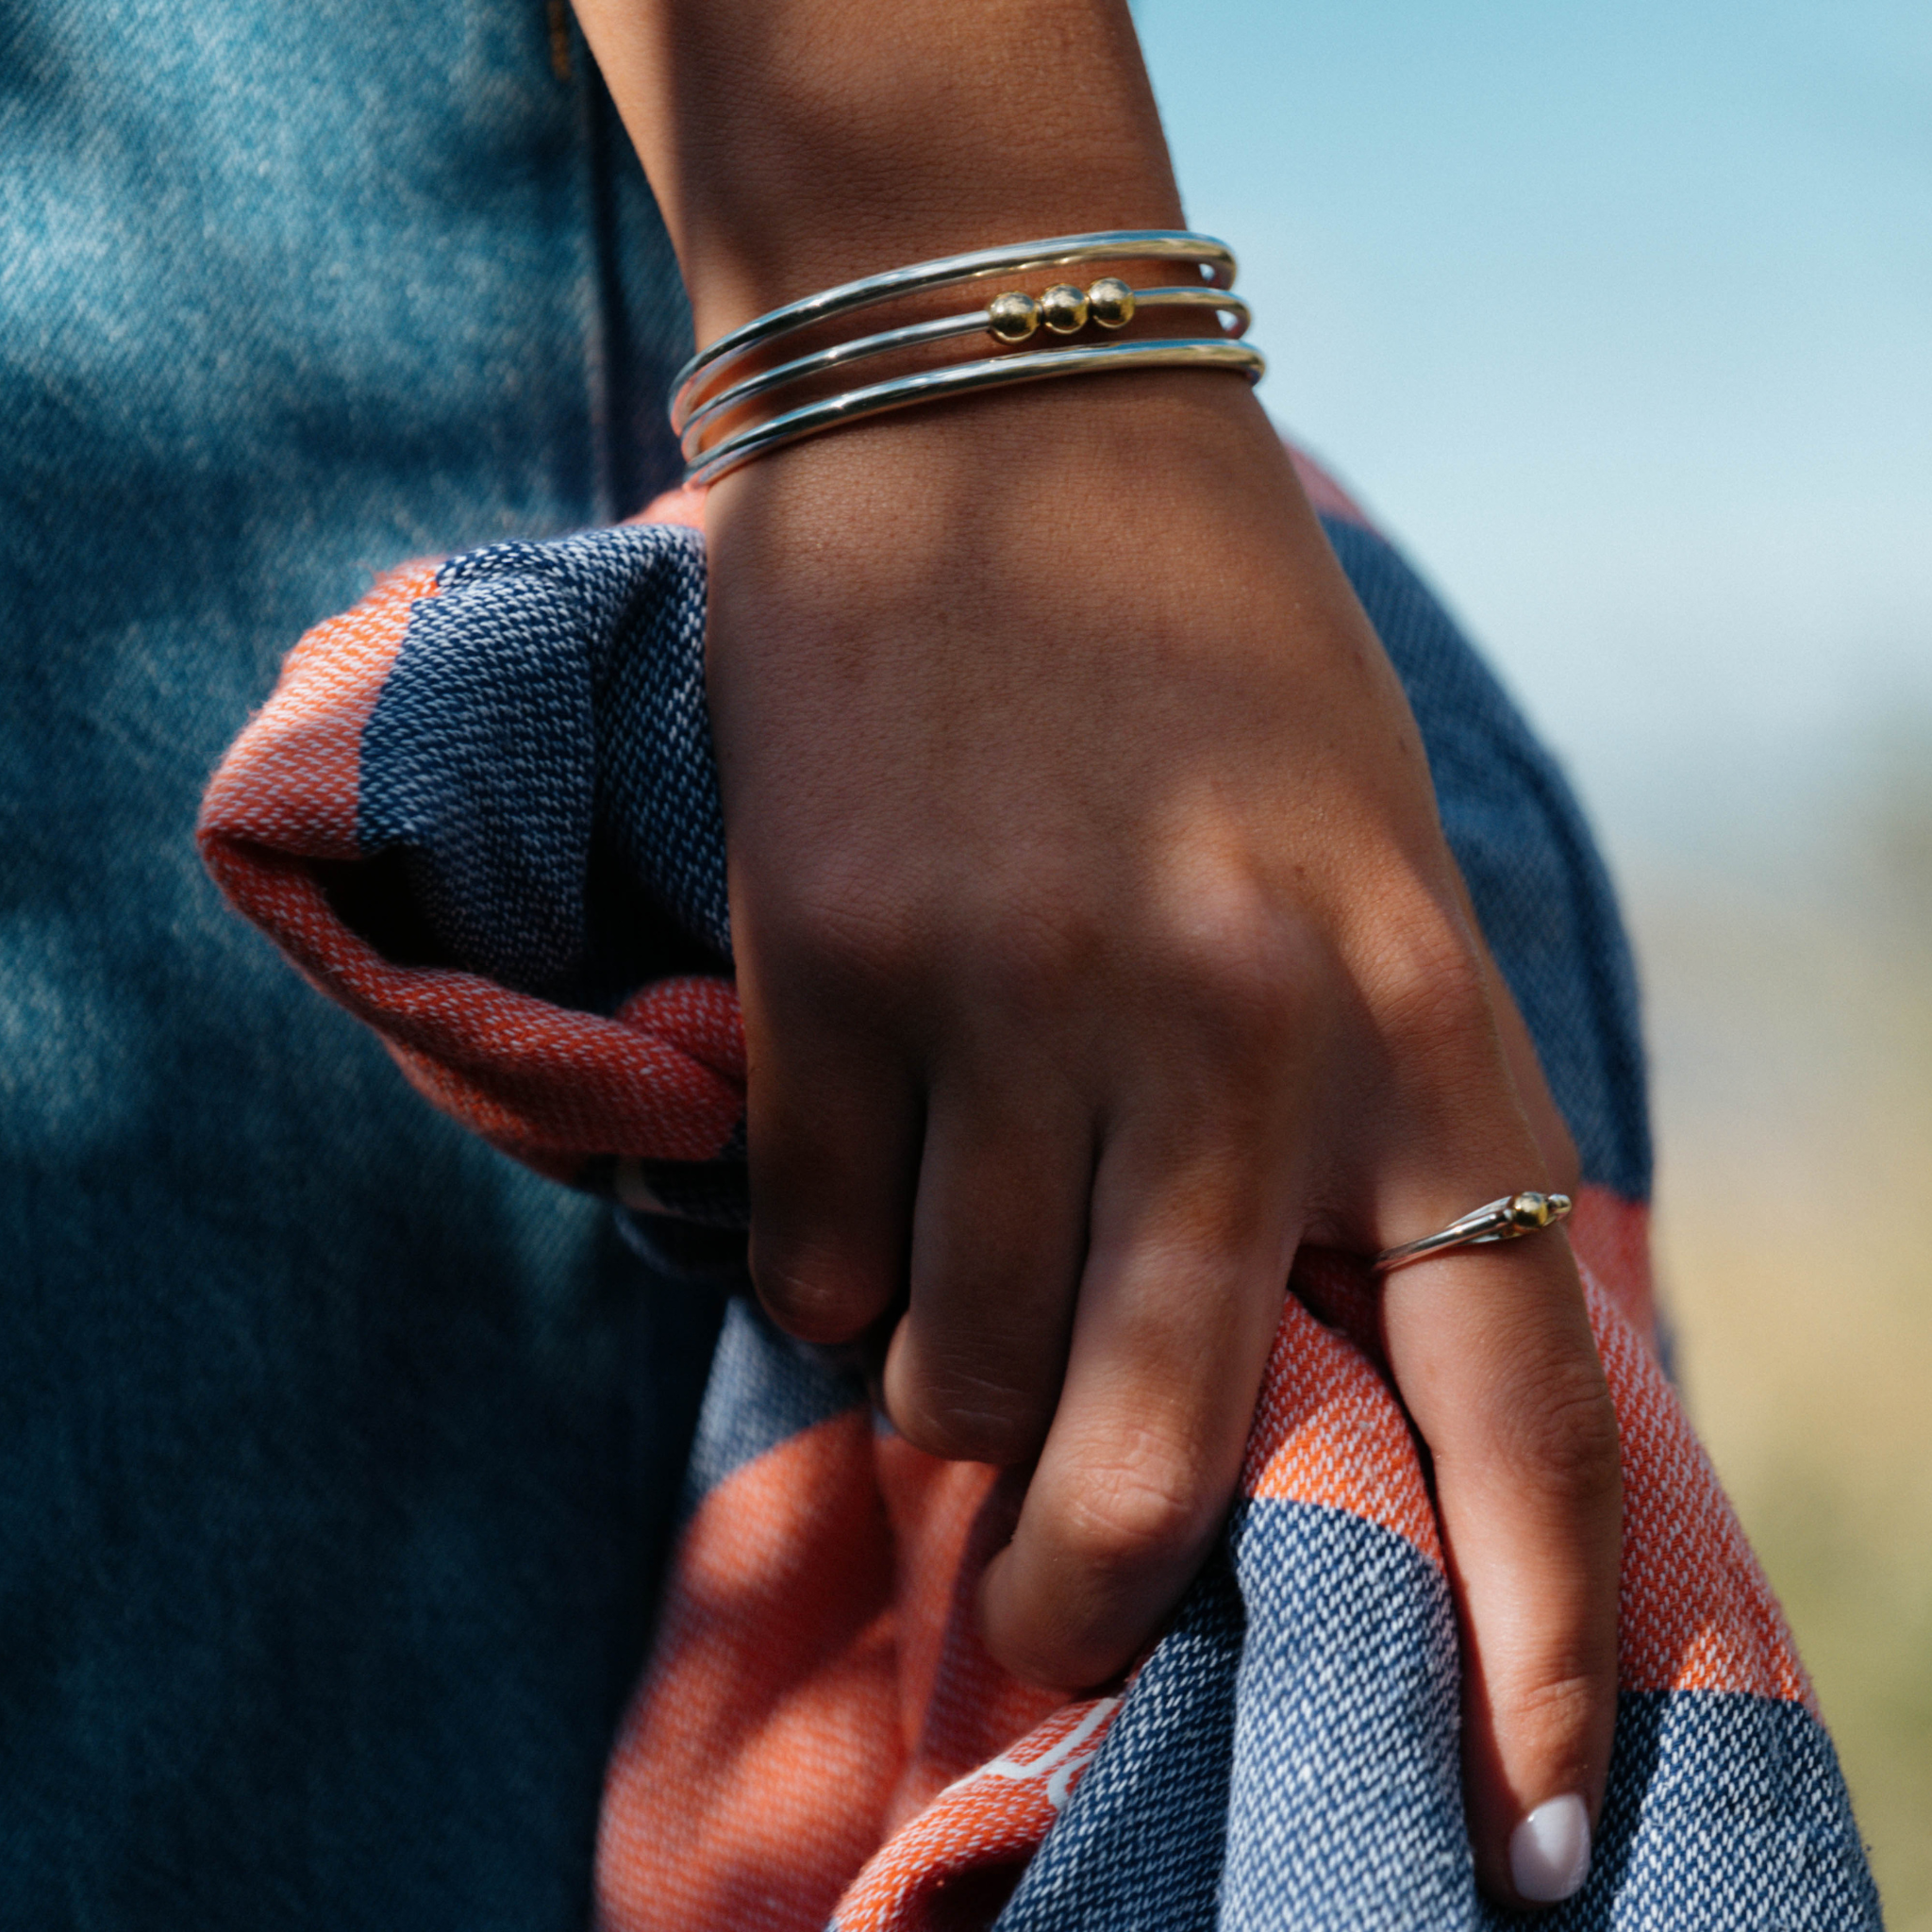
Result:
x=954 y=1427
x=1550 y=1709
x=1427 y=983
x=846 y=932
x=966 y=1414
x=1555 y=1710
x=1026 y=956
x=813 y=1295
x=1196 y=1253
x=870 y=943
x=1141 y=1507
x=1237 y=964
x=1567 y=1439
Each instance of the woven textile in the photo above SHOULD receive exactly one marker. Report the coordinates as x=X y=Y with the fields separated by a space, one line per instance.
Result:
x=481 y=811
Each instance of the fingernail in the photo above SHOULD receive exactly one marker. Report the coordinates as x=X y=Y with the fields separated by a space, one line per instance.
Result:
x=1549 y=1852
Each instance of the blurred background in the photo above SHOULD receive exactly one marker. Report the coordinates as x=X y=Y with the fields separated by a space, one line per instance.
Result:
x=1620 y=319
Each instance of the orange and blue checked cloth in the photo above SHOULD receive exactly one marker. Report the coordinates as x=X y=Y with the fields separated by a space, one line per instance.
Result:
x=480 y=812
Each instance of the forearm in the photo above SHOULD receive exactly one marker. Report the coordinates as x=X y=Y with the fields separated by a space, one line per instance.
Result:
x=795 y=143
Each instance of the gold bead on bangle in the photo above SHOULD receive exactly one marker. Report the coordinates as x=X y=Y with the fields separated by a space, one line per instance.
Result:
x=1012 y=317
x=1110 y=302
x=1063 y=309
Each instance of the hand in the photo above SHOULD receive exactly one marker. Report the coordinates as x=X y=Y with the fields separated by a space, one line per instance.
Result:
x=1098 y=945
x=1096 y=941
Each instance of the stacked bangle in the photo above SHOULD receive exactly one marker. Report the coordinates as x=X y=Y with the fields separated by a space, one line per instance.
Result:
x=702 y=398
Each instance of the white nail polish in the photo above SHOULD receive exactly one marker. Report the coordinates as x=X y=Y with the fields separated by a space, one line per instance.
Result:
x=1549 y=1852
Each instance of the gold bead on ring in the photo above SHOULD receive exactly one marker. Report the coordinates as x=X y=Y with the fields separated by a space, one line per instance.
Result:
x=1501 y=1220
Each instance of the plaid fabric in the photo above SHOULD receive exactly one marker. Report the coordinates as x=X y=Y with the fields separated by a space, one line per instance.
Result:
x=480 y=810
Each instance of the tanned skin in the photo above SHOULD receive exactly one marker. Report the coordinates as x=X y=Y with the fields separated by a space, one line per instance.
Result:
x=1097 y=937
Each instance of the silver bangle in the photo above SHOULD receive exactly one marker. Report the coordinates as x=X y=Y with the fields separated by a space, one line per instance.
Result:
x=1215 y=259
x=965 y=378
x=690 y=429
x=1501 y=1220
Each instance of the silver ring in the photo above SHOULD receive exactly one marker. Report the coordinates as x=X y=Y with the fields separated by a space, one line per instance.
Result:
x=1503 y=1220
x=963 y=379
x=1066 y=251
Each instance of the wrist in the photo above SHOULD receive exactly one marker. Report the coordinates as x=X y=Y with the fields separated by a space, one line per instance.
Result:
x=794 y=145
x=807 y=245
x=1062 y=480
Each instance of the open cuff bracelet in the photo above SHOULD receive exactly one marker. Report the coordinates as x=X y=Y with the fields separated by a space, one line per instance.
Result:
x=699 y=405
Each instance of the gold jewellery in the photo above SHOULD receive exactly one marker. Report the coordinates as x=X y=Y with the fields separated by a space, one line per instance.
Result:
x=1503 y=1220
x=1064 y=309
x=706 y=405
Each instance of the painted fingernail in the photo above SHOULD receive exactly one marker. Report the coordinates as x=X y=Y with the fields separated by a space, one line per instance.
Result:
x=1549 y=1852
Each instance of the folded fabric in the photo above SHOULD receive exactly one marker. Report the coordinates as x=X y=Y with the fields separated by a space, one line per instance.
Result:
x=480 y=810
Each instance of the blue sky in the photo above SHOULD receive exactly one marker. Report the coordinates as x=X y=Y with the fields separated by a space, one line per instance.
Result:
x=1621 y=318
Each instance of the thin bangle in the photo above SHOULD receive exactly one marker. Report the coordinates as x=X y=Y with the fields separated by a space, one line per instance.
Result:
x=1214 y=257
x=690 y=429
x=964 y=378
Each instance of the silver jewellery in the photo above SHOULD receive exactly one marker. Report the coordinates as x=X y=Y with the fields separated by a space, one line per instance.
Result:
x=1009 y=318
x=1121 y=244
x=1501 y=1221
x=699 y=405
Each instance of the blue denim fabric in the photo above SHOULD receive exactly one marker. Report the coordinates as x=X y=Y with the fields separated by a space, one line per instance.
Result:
x=336 y=1452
